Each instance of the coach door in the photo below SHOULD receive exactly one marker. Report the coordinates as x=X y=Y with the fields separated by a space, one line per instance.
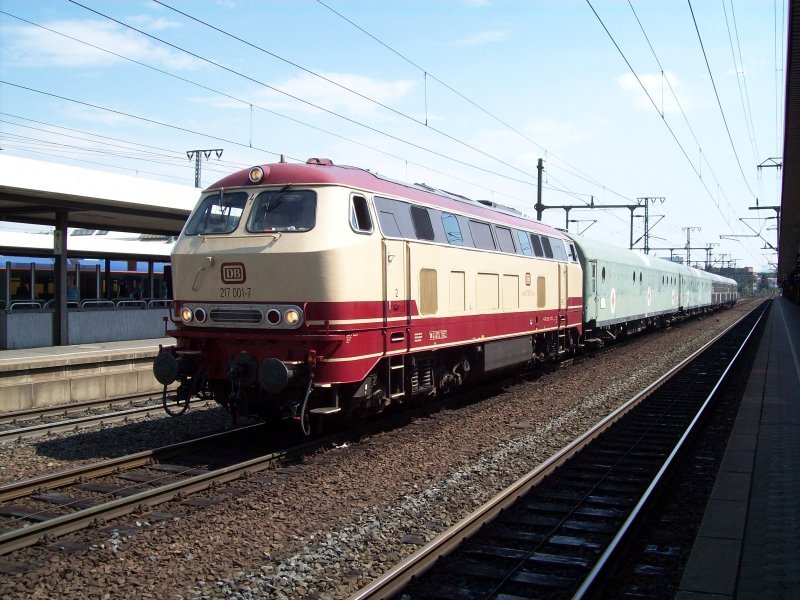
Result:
x=396 y=298
x=562 y=305
x=591 y=309
x=396 y=313
x=562 y=289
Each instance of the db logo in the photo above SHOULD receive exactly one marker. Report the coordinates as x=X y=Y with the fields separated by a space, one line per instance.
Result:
x=232 y=273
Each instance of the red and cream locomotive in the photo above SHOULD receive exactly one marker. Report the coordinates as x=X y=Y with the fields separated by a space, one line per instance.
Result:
x=304 y=290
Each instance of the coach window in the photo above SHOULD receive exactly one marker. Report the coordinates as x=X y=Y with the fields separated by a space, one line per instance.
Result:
x=537 y=245
x=217 y=213
x=548 y=249
x=422 y=223
x=283 y=210
x=360 y=220
x=572 y=252
x=505 y=239
x=394 y=218
x=452 y=229
x=559 y=253
x=482 y=235
x=524 y=243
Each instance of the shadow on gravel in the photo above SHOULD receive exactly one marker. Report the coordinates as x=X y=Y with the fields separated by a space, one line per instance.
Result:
x=127 y=438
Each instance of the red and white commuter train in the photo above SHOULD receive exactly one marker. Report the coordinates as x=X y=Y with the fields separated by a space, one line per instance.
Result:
x=303 y=290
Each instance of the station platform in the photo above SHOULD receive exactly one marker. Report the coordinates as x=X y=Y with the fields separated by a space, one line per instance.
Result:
x=748 y=545
x=50 y=376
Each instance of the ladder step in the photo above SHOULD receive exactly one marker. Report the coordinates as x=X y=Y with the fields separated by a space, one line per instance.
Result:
x=397 y=395
x=325 y=410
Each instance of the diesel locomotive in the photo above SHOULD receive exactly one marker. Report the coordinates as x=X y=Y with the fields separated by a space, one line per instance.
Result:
x=313 y=291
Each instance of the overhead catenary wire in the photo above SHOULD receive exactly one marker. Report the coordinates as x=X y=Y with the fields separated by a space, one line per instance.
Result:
x=572 y=170
x=243 y=137
x=317 y=106
x=719 y=102
x=123 y=143
x=703 y=155
x=276 y=113
x=741 y=79
x=655 y=106
x=663 y=119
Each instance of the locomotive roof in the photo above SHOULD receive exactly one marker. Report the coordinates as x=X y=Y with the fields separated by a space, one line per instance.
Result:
x=324 y=172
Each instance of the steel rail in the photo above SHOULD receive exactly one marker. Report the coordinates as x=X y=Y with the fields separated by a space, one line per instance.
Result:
x=89 y=421
x=614 y=546
x=396 y=579
x=30 y=534
x=27 y=536
x=29 y=414
x=26 y=487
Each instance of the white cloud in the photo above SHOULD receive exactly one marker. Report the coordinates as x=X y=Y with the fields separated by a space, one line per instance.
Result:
x=30 y=46
x=484 y=37
x=659 y=89
x=332 y=97
x=148 y=22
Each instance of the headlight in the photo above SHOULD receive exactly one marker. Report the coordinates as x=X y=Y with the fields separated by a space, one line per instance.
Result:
x=273 y=316
x=256 y=174
x=186 y=314
x=291 y=316
x=200 y=315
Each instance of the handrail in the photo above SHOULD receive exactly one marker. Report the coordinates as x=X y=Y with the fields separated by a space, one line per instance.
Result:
x=37 y=304
x=128 y=304
x=52 y=302
x=158 y=302
x=91 y=304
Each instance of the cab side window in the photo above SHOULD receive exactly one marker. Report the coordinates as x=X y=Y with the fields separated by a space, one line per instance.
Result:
x=360 y=219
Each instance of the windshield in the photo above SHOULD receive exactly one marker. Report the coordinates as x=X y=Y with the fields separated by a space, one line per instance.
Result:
x=217 y=213
x=283 y=210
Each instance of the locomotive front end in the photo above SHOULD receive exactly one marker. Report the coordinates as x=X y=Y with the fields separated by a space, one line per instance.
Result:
x=254 y=259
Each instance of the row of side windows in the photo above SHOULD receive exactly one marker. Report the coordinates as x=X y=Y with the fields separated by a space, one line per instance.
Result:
x=403 y=220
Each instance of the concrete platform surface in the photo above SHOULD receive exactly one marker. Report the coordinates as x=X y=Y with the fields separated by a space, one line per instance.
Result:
x=43 y=377
x=748 y=545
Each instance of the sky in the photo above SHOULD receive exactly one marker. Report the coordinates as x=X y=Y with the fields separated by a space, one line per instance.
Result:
x=673 y=101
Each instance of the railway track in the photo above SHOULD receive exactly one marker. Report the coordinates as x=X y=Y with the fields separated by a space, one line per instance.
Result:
x=43 y=508
x=557 y=531
x=39 y=422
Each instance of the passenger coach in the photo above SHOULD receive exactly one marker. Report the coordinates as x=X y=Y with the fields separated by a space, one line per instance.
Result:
x=626 y=291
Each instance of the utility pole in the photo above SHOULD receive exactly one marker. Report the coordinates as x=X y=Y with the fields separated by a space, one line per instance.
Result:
x=197 y=154
x=708 y=254
x=688 y=231
x=539 y=206
x=646 y=202
x=568 y=207
x=675 y=249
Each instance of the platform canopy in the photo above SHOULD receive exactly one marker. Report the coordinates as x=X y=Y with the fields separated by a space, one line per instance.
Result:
x=33 y=191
